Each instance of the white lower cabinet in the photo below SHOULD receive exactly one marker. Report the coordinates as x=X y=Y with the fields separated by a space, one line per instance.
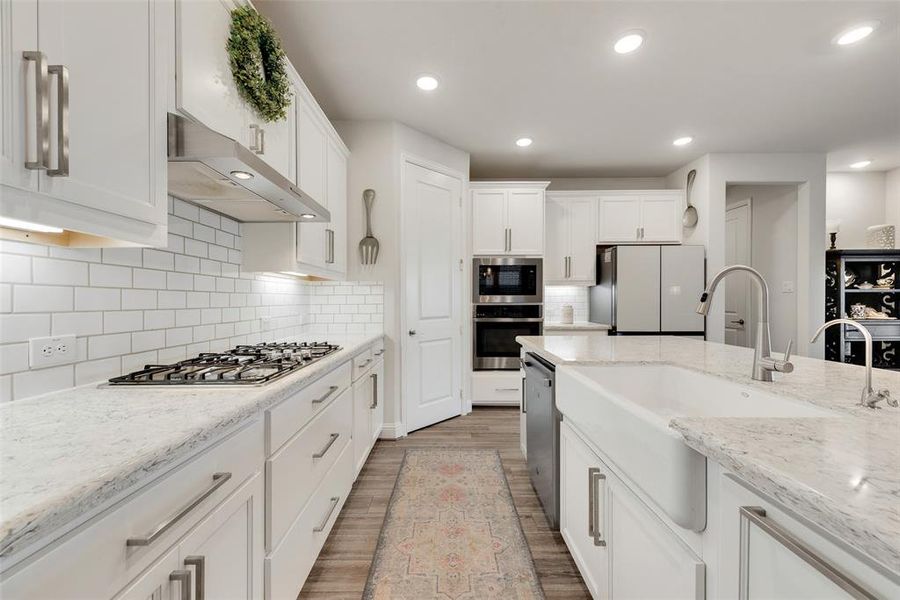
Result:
x=496 y=388
x=614 y=538
x=368 y=411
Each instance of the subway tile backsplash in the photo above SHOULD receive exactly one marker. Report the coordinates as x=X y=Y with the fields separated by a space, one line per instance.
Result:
x=132 y=306
x=557 y=296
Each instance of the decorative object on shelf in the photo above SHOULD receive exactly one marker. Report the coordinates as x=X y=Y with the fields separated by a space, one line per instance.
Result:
x=880 y=237
x=833 y=227
x=567 y=315
x=858 y=311
x=368 y=246
x=871 y=313
x=865 y=285
x=886 y=282
x=257 y=64
x=849 y=279
x=689 y=218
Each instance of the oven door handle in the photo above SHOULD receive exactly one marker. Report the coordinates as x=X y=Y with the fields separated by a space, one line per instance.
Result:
x=507 y=320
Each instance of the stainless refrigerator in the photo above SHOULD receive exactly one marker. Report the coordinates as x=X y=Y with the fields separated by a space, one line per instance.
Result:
x=649 y=289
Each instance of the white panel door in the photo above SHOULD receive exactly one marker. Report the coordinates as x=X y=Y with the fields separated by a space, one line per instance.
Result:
x=312 y=148
x=525 y=220
x=648 y=560
x=18 y=129
x=488 y=222
x=737 y=289
x=661 y=217
x=582 y=235
x=637 y=288
x=205 y=89
x=556 y=248
x=230 y=544
x=432 y=350
x=619 y=219
x=336 y=165
x=116 y=105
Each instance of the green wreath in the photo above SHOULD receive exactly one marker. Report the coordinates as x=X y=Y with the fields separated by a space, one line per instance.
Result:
x=257 y=64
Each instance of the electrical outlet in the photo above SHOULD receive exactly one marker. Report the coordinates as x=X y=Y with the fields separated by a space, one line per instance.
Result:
x=51 y=351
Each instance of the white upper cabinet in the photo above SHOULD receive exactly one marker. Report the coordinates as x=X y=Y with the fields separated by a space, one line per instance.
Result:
x=312 y=142
x=99 y=75
x=570 y=252
x=336 y=191
x=647 y=216
x=508 y=218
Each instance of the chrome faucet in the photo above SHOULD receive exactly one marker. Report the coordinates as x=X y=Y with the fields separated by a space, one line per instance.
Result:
x=869 y=398
x=763 y=363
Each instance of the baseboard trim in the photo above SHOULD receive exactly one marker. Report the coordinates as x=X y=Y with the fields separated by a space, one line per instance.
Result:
x=392 y=431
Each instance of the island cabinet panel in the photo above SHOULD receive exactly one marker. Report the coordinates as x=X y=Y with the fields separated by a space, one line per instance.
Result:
x=765 y=553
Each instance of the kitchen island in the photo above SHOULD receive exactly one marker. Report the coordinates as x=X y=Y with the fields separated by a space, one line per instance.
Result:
x=838 y=475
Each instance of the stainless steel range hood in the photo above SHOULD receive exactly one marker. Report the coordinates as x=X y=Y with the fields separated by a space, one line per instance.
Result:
x=210 y=169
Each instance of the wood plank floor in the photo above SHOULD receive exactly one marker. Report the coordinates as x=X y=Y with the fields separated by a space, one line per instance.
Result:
x=343 y=565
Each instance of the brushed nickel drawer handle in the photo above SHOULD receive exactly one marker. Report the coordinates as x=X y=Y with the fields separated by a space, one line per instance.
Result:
x=199 y=563
x=331 y=389
x=380 y=352
x=42 y=112
x=331 y=440
x=374 y=404
x=365 y=363
x=183 y=576
x=62 y=121
x=219 y=480
x=594 y=477
x=757 y=516
x=321 y=526
x=515 y=389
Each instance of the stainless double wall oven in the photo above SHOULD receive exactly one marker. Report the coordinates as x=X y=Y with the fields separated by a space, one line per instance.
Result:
x=507 y=298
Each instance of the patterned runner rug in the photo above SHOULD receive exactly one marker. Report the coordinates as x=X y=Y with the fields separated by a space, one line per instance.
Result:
x=452 y=532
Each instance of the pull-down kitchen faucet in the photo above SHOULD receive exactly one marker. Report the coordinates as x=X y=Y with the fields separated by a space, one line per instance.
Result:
x=869 y=398
x=763 y=363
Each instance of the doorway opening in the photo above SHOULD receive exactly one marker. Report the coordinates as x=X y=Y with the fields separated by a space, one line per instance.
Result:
x=761 y=231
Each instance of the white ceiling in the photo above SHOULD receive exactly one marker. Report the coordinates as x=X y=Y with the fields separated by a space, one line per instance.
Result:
x=738 y=76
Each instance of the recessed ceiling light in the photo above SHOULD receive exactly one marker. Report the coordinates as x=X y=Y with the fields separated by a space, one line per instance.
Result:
x=307 y=216
x=28 y=226
x=427 y=83
x=862 y=164
x=629 y=42
x=241 y=175
x=857 y=33
x=683 y=141
x=524 y=142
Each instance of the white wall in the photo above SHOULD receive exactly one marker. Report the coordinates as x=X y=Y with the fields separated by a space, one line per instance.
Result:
x=599 y=183
x=857 y=200
x=714 y=173
x=773 y=253
x=892 y=201
x=376 y=149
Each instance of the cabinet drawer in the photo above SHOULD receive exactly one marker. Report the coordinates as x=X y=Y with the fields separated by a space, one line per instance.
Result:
x=362 y=362
x=288 y=566
x=296 y=470
x=290 y=416
x=97 y=563
x=501 y=388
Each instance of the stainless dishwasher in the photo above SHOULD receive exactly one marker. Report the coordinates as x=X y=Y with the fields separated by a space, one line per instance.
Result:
x=542 y=432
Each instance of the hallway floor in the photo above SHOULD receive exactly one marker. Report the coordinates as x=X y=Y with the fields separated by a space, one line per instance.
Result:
x=343 y=566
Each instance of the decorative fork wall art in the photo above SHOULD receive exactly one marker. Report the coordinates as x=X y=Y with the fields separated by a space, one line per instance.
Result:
x=368 y=246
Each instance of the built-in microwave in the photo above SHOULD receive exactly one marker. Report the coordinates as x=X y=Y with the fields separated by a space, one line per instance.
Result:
x=507 y=280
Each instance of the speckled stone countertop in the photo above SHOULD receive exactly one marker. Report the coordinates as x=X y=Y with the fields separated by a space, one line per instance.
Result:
x=576 y=326
x=842 y=473
x=65 y=454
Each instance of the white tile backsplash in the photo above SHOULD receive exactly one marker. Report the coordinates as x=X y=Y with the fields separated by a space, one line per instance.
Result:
x=557 y=296
x=133 y=306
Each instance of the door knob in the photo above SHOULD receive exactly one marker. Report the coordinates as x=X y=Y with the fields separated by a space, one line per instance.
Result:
x=412 y=332
x=737 y=322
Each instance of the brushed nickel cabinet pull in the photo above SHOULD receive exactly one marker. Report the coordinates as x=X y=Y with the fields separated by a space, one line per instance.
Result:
x=199 y=564
x=42 y=110
x=380 y=352
x=62 y=121
x=368 y=360
x=262 y=141
x=321 y=526
x=756 y=515
x=219 y=480
x=182 y=576
x=331 y=389
x=331 y=440
x=524 y=406
x=594 y=531
x=374 y=377
x=255 y=147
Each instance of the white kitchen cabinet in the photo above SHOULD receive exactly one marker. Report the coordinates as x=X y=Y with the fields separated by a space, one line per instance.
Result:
x=508 y=218
x=336 y=191
x=570 y=240
x=312 y=141
x=376 y=422
x=614 y=538
x=496 y=388
x=104 y=168
x=641 y=216
x=162 y=581
x=365 y=403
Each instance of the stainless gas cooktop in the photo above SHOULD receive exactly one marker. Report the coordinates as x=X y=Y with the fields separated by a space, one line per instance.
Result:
x=242 y=365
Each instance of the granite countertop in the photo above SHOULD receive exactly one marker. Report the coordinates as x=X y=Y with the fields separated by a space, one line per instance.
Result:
x=67 y=454
x=841 y=473
x=576 y=326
